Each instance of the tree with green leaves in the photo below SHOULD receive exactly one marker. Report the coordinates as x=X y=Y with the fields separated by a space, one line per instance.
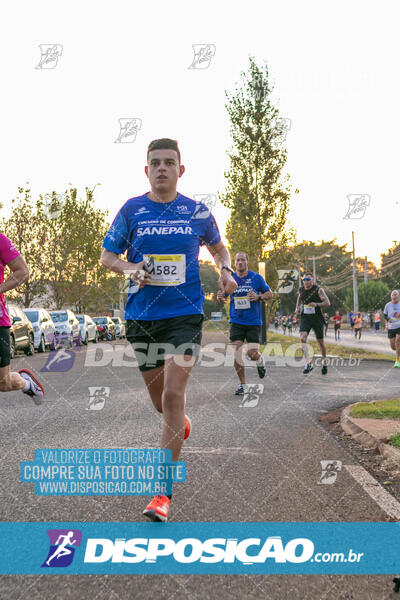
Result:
x=209 y=278
x=77 y=276
x=26 y=229
x=60 y=237
x=372 y=295
x=257 y=191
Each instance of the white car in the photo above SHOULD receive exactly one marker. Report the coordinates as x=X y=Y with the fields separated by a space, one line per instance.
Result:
x=119 y=327
x=88 y=329
x=44 y=330
x=67 y=327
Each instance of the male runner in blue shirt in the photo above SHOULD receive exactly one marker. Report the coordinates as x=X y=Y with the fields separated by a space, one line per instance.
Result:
x=245 y=316
x=163 y=231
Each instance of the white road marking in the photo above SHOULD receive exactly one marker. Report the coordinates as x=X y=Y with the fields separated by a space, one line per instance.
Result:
x=383 y=499
x=199 y=450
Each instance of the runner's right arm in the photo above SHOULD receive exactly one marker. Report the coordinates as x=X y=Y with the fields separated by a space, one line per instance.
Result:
x=385 y=314
x=115 y=243
x=135 y=271
x=297 y=309
x=19 y=274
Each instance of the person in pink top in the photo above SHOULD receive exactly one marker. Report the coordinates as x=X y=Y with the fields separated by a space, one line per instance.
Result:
x=24 y=380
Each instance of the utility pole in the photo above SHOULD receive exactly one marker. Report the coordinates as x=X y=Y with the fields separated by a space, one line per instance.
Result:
x=355 y=287
x=365 y=270
x=314 y=270
x=261 y=270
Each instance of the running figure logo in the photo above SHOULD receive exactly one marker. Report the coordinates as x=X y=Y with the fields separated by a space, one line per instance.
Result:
x=330 y=469
x=280 y=128
x=210 y=200
x=61 y=551
x=54 y=204
x=128 y=129
x=287 y=279
x=252 y=393
x=97 y=397
x=59 y=361
x=357 y=206
x=49 y=55
x=203 y=54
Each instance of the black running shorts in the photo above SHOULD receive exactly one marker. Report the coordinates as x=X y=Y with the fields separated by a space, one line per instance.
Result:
x=311 y=322
x=152 y=340
x=5 y=356
x=393 y=332
x=245 y=333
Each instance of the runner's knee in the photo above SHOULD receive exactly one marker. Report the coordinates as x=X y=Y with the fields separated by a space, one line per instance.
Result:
x=253 y=354
x=173 y=399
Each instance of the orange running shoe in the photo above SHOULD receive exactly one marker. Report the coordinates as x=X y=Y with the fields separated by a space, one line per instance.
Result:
x=188 y=427
x=158 y=509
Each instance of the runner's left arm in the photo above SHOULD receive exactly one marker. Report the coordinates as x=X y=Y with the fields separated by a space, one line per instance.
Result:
x=212 y=239
x=324 y=299
x=266 y=293
x=222 y=258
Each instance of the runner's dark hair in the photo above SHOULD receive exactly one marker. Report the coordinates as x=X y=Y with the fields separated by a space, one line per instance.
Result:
x=164 y=144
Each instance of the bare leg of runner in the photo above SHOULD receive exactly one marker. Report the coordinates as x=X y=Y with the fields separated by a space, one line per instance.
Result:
x=10 y=381
x=304 y=345
x=238 y=364
x=166 y=386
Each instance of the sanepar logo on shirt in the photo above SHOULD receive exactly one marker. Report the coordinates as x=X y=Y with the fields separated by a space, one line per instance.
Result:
x=163 y=230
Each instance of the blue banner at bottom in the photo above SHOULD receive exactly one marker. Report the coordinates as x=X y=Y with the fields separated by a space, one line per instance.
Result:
x=193 y=548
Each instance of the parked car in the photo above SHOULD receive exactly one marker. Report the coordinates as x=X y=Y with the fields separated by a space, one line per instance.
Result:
x=119 y=327
x=67 y=327
x=105 y=327
x=44 y=329
x=88 y=328
x=21 y=331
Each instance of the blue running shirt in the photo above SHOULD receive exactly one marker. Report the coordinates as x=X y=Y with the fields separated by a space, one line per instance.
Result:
x=241 y=309
x=172 y=233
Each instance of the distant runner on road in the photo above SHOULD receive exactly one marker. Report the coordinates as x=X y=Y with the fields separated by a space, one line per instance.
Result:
x=391 y=314
x=326 y=324
x=24 y=380
x=311 y=298
x=377 y=321
x=358 y=326
x=245 y=316
x=337 y=320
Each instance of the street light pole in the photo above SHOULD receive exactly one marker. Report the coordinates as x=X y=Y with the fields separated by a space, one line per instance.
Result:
x=366 y=270
x=314 y=270
x=355 y=287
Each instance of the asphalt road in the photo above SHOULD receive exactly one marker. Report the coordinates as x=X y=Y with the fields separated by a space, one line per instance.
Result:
x=259 y=463
x=370 y=340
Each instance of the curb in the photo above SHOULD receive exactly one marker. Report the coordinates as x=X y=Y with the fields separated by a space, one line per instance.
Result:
x=365 y=438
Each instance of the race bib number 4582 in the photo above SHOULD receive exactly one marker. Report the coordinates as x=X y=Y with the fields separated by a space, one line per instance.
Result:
x=169 y=269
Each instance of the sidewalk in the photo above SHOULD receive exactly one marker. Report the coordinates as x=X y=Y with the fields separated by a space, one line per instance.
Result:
x=372 y=433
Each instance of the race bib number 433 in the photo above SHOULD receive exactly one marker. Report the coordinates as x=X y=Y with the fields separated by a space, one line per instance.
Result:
x=169 y=269
x=241 y=302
